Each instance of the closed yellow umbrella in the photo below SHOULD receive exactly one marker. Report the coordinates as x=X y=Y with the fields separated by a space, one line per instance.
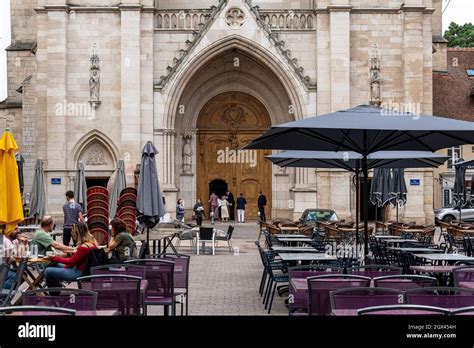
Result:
x=11 y=209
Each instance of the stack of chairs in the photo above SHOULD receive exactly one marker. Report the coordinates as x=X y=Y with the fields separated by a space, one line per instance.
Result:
x=127 y=208
x=98 y=214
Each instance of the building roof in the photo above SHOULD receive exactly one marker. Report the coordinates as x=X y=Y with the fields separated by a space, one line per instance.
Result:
x=452 y=89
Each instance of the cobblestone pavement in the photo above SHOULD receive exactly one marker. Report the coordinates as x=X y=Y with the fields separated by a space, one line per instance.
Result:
x=227 y=283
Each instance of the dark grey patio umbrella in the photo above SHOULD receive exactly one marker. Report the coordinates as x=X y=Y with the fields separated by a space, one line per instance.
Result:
x=460 y=188
x=150 y=206
x=20 y=161
x=80 y=186
x=380 y=187
x=398 y=189
x=120 y=183
x=367 y=129
x=38 y=192
x=351 y=161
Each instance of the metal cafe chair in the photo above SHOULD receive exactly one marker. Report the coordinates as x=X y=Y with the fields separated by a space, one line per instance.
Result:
x=356 y=298
x=76 y=299
x=403 y=310
x=38 y=310
x=444 y=297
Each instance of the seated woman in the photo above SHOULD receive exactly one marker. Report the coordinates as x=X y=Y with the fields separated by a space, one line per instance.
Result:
x=122 y=244
x=70 y=268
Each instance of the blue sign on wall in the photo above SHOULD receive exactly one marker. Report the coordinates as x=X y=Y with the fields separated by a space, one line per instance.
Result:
x=414 y=182
x=55 y=181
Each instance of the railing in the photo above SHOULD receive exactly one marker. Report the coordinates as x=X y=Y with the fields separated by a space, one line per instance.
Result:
x=181 y=20
x=289 y=20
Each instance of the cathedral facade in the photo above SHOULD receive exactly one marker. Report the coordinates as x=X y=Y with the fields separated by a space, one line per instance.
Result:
x=94 y=80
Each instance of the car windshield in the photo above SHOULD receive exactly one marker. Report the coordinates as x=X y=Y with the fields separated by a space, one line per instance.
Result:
x=467 y=205
x=322 y=215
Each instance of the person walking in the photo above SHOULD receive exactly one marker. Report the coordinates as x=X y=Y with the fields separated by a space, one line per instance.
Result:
x=72 y=215
x=262 y=203
x=224 y=209
x=213 y=204
x=218 y=210
x=198 y=211
x=241 y=202
x=231 y=200
x=180 y=210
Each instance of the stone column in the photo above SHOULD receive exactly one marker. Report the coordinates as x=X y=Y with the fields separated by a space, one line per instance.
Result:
x=56 y=69
x=413 y=54
x=131 y=85
x=339 y=36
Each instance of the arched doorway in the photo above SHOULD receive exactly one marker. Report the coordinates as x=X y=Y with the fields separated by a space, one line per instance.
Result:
x=226 y=123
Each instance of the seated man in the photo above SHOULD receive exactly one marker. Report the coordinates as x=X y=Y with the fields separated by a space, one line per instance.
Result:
x=10 y=248
x=45 y=242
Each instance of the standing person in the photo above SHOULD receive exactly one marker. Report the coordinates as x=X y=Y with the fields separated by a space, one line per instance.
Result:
x=224 y=209
x=218 y=210
x=180 y=210
x=213 y=204
x=72 y=215
x=241 y=202
x=262 y=203
x=198 y=211
x=70 y=268
x=231 y=200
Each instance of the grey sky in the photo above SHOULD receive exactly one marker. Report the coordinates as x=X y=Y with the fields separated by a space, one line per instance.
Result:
x=459 y=11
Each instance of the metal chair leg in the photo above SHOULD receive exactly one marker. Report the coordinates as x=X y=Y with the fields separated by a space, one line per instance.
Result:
x=271 y=299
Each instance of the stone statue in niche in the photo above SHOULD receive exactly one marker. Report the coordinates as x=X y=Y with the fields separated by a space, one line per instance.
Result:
x=94 y=81
x=187 y=154
x=96 y=157
x=375 y=97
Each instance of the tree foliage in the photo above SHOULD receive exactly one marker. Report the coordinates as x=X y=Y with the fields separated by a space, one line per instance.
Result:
x=460 y=35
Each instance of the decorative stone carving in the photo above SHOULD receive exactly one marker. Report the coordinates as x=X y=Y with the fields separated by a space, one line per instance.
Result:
x=233 y=115
x=375 y=97
x=197 y=21
x=267 y=24
x=94 y=81
x=234 y=17
x=187 y=154
x=96 y=157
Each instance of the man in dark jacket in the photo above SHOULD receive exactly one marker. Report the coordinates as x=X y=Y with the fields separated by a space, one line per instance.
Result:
x=231 y=207
x=241 y=202
x=262 y=203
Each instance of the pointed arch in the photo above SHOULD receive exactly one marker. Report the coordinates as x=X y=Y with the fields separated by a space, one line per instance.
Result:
x=94 y=137
x=278 y=66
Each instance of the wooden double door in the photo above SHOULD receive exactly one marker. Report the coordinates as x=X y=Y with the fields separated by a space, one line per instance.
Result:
x=227 y=123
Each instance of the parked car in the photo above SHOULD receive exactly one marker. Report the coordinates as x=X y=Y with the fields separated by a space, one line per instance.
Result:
x=452 y=213
x=311 y=216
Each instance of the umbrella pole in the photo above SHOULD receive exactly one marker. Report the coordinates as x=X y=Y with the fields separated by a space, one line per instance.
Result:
x=366 y=206
x=357 y=212
x=147 y=240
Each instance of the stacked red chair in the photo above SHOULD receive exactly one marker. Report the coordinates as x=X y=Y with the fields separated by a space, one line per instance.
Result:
x=127 y=208
x=98 y=214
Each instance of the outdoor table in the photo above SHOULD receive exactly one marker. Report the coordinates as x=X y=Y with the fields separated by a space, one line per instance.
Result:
x=400 y=241
x=416 y=250
x=294 y=241
x=33 y=281
x=387 y=236
x=279 y=249
x=98 y=313
x=444 y=257
x=167 y=235
x=283 y=235
x=306 y=257
x=438 y=272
